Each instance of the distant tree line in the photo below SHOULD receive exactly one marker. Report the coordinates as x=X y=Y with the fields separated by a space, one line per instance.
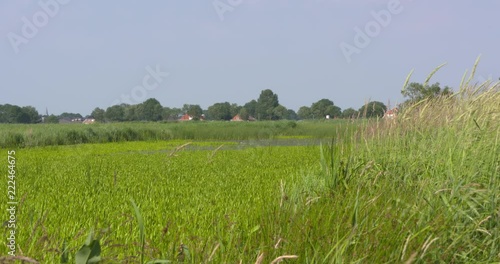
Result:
x=265 y=107
x=16 y=114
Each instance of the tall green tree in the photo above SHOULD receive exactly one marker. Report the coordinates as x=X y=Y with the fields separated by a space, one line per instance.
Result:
x=70 y=115
x=16 y=114
x=324 y=107
x=193 y=110
x=280 y=112
x=234 y=109
x=349 y=113
x=305 y=113
x=151 y=110
x=115 y=113
x=372 y=109
x=416 y=91
x=265 y=105
x=51 y=119
x=32 y=115
x=98 y=114
x=244 y=113
x=130 y=112
x=185 y=108
x=19 y=116
x=220 y=111
x=333 y=111
x=291 y=115
x=251 y=108
x=171 y=113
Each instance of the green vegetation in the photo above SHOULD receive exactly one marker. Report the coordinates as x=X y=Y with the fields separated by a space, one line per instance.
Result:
x=15 y=114
x=373 y=109
x=319 y=110
x=422 y=188
x=31 y=135
x=416 y=92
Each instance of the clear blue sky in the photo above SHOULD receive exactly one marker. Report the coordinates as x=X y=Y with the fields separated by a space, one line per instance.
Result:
x=87 y=54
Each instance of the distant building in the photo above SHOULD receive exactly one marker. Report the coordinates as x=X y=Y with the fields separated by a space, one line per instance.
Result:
x=186 y=117
x=67 y=120
x=88 y=121
x=237 y=118
x=391 y=114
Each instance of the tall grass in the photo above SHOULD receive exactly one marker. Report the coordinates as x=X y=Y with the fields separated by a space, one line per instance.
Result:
x=71 y=134
x=426 y=187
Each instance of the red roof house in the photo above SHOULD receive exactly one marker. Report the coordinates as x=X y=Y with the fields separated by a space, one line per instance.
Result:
x=237 y=118
x=186 y=117
x=391 y=114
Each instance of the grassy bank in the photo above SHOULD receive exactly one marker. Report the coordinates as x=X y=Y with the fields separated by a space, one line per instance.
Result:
x=69 y=134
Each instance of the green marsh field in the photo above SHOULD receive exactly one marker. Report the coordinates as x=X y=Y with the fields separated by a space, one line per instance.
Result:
x=422 y=188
